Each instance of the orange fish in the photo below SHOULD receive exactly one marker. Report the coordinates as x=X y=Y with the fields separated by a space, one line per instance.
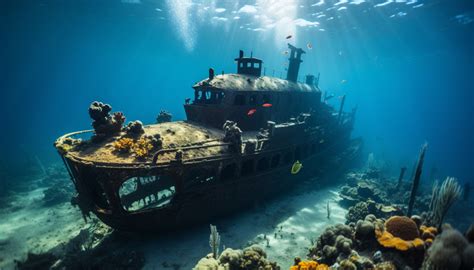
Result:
x=266 y=105
x=251 y=112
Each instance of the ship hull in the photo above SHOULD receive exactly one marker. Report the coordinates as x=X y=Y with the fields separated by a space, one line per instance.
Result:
x=98 y=189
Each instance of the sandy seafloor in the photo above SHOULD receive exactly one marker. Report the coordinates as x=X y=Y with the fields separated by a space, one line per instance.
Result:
x=289 y=222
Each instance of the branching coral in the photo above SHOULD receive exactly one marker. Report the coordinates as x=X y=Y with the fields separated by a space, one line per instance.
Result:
x=123 y=145
x=141 y=147
x=104 y=123
x=134 y=128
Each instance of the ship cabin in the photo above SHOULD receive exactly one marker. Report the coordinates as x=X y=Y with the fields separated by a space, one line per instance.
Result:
x=250 y=99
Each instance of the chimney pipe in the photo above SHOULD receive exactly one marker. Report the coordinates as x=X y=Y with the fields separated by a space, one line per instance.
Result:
x=295 y=61
x=211 y=73
x=241 y=54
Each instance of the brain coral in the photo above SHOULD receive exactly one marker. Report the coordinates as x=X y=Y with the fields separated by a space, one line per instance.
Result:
x=400 y=233
x=402 y=227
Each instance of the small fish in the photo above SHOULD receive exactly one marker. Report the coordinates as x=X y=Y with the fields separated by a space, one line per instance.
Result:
x=285 y=52
x=251 y=112
x=343 y=81
x=309 y=45
x=321 y=141
x=267 y=105
x=296 y=167
x=288 y=37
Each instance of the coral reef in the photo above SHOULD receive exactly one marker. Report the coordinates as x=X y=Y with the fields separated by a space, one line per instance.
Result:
x=104 y=123
x=68 y=144
x=334 y=244
x=134 y=128
x=163 y=117
x=450 y=250
x=308 y=265
x=139 y=147
x=250 y=258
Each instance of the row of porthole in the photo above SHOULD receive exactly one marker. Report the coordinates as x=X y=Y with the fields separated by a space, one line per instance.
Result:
x=263 y=164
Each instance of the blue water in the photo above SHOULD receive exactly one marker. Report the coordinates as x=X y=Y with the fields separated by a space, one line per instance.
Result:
x=407 y=65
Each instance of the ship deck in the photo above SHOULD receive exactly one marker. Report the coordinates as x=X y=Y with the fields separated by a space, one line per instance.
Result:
x=196 y=142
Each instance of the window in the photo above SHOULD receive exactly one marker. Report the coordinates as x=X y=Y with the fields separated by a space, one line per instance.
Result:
x=239 y=100
x=253 y=100
x=275 y=161
x=228 y=172
x=138 y=193
x=262 y=164
x=247 y=167
x=241 y=64
x=256 y=65
x=249 y=64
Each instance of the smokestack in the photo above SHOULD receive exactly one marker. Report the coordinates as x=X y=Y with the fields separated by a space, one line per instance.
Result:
x=295 y=61
x=241 y=54
x=211 y=73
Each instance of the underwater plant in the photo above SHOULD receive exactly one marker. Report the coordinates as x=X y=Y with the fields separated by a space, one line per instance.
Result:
x=214 y=241
x=442 y=199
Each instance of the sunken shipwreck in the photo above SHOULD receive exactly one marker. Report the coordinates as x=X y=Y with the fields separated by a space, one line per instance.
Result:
x=247 y=136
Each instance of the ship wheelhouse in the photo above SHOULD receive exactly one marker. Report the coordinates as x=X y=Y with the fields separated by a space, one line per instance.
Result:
x=249 y=99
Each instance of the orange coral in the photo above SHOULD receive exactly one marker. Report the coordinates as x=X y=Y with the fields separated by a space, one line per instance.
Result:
x=123 y=145
x=400 y=233
x=142 y=147
x=309 y=265
x=428 y=232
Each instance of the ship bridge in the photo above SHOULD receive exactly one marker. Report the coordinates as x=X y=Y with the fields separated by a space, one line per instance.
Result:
x=251 y=99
